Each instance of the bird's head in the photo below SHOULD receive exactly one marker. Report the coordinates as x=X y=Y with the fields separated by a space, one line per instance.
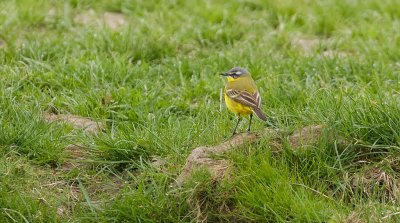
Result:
x=235 y=73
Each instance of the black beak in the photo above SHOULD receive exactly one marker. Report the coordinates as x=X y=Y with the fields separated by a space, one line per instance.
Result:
x=224 y=74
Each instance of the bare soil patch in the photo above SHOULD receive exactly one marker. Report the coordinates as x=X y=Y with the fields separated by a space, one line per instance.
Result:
x=306 y=136
x=2 y=44
x=308 y=44
x=332 y=53
x=78 y=122
x=111 y=20
x=86 y=17
x=77 y=155
x=114 y=20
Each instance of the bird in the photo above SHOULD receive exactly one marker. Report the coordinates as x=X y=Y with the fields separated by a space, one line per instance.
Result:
x=241 y=95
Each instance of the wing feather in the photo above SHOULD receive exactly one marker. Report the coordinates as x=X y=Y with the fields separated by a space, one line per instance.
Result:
x=244 y=98
x=256 y=95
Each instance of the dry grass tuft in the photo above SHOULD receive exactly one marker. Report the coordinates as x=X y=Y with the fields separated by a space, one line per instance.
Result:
x=376 y=182
x=354 y=217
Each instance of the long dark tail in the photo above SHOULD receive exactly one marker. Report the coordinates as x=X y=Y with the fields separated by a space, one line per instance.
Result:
x=260 y=114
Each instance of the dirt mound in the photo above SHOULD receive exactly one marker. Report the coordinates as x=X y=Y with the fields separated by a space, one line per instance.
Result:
x=203 y=156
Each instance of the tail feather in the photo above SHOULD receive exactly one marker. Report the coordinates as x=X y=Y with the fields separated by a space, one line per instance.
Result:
x=260 y=114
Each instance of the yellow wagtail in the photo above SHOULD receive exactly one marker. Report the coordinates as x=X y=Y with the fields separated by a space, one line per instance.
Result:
x=241 y=95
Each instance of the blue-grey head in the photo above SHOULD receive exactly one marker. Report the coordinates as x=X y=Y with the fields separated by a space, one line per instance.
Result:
x=236 y=72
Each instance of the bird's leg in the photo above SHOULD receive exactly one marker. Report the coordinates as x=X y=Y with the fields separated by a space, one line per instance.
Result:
x=248 y=129
x=234 y=131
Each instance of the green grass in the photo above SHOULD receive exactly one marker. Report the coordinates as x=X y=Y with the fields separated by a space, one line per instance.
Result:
x=154 y=82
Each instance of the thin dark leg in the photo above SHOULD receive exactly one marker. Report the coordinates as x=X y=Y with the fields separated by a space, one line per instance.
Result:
x=251 y=116
x=234 y=131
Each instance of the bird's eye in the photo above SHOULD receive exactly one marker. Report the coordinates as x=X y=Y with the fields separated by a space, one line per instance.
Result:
x=235 y=76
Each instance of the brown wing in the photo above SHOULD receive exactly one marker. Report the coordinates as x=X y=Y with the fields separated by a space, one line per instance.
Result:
x=244 y=97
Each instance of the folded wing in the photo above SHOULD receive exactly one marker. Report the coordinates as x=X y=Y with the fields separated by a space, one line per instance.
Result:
x=248 y=99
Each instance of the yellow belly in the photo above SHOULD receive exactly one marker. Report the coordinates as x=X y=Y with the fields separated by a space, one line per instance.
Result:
x=236 y=107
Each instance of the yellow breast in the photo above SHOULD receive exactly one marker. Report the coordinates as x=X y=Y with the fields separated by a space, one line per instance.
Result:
x=236 y=107
x=245 y=83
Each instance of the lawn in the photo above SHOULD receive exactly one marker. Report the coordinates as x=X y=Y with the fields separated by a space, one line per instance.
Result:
x=102 y=101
